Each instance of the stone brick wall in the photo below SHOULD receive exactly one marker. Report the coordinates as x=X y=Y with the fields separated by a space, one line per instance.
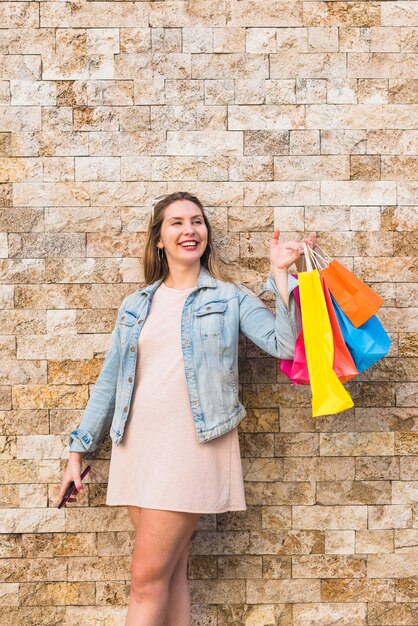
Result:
x=298 y=115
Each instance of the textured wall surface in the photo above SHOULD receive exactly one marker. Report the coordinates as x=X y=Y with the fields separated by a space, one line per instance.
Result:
x=298 y=115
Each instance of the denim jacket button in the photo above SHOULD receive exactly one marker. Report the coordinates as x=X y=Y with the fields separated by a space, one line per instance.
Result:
x=132 y=348
x=130 y=379
x=186 y=343
x=208 y=308
x=139 y=321
x=125 y=408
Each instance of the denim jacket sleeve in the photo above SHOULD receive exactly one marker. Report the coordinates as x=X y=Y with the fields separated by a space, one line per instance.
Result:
x=275 y=334
x=98 y=413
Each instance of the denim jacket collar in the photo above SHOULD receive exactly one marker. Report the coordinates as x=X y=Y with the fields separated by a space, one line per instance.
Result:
x=205 y=280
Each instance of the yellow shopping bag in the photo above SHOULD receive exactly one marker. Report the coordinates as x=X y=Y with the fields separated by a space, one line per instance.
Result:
x=328 y=394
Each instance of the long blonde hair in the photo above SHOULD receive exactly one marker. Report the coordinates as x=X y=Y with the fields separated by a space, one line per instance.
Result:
x=155 y=268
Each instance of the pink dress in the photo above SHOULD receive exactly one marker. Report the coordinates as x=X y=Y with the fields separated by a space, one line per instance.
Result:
x=159 y=463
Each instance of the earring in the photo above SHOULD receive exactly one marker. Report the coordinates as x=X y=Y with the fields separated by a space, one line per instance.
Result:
x=160 y=254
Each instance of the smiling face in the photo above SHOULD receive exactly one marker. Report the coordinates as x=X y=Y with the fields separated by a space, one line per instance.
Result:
x=183 y=223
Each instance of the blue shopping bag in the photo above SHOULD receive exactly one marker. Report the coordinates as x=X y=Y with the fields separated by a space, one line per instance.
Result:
x=368 y=343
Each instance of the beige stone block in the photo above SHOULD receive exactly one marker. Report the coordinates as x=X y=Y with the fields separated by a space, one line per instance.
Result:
x=97 y=168
x=215 y=66
x=382 y=65
x=329 y=517
x=33 y=496
x=94 y=17
x=277 y=493
x=343 y=141
x=397 y=565
x=328 y=566
x=250 y=168
x=266 y=142
x=280 y=91
x=223 y=542
x=229 y=39
x=406 y=540
x=48 y=396
x=219 y=591
x=23 y=372
x=314 y=65
x=262 y=469
x=277 y=567
x=262 y=40
x=341 y=91
x=291 y=39
x=352 y=39
x=82 y=219
x=356 y=444
x=250 y=91
x=232 y=614
x=197 y=40
x=39 y=447
x=260 y=592
x=288 y=542
x=390 y=516
x=59 y=593
x=403 y=91
x=407 y=193
x=199 y=144
x=392 y=142
x=18 y=170
x=9 y=594
x=341 y=13
x=375 y=468
x=399 y=14
x=345 y=116
x=35 y=93
x=374 y=541
x=364 y=167
x=311 y=168
x=408 y=467
x=399 y=167
x=279 y=14
x=23 y=422
x=276 y=517
x=304 y=142
x=407 y=591
x=323 y=39
x=44 y=245
x=362 y=590
x=408 y=344
x=365 y=218
x=53 y=545
x=309 y=614
x=354 y=492
x=378 y=269
x=80 y=615
x=328 y=218
x=296 y=444
x=265 y=117
x=391 y=613
x=236 y=567
x=287 y=193
x=358 y=192
x=7 y=296
x=406 y=443
x=316 y=468
x=20 y=119
x=371 y=91
x=404 y=492
x=9 y=496
x=289 y=218
x=400 y=116
x=34 y=520
x=58 y=169
x=339 y=541
x=21 y=67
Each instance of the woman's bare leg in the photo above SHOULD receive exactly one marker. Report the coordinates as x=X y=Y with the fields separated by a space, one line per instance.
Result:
x=179 y=610
x=160 y=540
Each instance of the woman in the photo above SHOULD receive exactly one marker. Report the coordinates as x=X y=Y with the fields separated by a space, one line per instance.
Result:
x=177 y=456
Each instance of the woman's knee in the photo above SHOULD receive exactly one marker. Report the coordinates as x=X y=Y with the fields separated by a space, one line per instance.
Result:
x=148 y=577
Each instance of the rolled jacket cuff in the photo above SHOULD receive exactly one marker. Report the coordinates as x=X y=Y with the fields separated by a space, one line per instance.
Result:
x=80 y=440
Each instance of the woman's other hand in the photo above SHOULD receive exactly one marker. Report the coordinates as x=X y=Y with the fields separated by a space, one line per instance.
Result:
x=282 y=255
x=72 y=473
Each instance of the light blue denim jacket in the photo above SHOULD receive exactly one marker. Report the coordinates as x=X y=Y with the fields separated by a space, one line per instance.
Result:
x=213 y=316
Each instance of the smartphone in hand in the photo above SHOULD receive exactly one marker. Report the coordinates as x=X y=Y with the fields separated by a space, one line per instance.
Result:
x=71 y=488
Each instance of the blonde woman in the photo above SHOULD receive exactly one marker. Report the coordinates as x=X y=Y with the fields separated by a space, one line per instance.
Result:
x=168 y=393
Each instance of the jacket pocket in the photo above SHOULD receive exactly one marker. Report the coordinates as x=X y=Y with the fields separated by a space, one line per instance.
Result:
x=210 y=318
x=126 y=323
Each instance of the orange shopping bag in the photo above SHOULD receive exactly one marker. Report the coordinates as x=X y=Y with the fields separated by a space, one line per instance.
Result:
x=355 y=298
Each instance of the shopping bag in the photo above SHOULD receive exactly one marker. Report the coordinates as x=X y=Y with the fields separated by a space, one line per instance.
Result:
x=355 y=298
x=296 y=369
x=368 y=343
x=328 y=394
x=343 y=364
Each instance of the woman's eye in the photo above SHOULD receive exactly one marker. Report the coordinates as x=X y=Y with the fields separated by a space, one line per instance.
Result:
x=195 y=222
